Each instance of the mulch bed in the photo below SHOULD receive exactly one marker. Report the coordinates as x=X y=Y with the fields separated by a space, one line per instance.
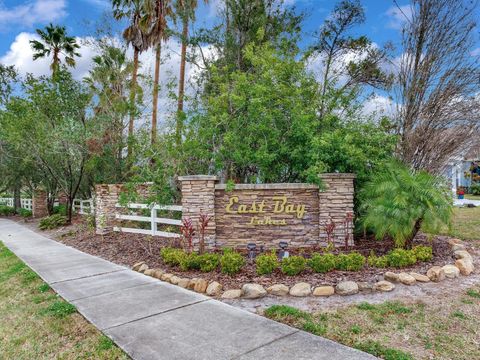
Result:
x=128 y=249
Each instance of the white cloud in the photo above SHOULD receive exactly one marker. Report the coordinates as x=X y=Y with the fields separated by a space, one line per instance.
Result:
x=378 y=106
x=476 y=52
x=20 y=55
x=33 y=12
x=399 y=15
x=103 y=4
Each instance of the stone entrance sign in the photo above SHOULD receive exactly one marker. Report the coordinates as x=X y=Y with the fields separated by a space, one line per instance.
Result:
x=266 y=214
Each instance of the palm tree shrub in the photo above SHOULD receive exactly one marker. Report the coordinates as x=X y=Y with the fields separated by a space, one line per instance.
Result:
x=54 y=41
x=398 y=201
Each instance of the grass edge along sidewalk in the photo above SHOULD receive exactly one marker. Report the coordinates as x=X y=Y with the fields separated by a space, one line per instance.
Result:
x=37 y=323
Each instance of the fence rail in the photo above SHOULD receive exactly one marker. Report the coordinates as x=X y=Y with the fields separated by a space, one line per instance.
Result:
x=83 y=207
x=152 y=219
x=24 y=203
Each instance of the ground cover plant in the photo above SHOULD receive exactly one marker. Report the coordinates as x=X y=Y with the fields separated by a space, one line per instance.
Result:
x=52 y=222
x=37 y=324
x=394 y=330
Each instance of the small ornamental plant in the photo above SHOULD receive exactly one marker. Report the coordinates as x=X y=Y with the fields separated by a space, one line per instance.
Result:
x=172 y=256
x=208 y=262
x=189 y=261
x=322 y=263
x=401 y=258
x=350 y=262
x=380 y=262
x=423 y=253
x=188 y=232
x=231 y=262
x=293 y=265
x=267 y=263
x=52 y=222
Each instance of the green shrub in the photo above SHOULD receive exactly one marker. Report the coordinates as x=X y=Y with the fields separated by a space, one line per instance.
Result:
x=322 y=263
x=398 y=201
x=52 y=222
x=475 y=189
x=189 y=261
x=60 y=209
x=401 y=258
x=6 y=210
x=25 y=213
x=172 y=256
x=293 y=265
x=423 y=253
x=377 y=261
x=266 y=263
x=231 y=262
x=350 y=262
x=208 y=262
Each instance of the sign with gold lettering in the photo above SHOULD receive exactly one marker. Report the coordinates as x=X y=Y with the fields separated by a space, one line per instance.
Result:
x=260 y=210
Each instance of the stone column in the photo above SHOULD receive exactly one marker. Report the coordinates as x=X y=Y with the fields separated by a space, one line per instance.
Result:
x=39 y=203
x=62 y=198
x=198 y=197
x=106 y=197
x=336 y=203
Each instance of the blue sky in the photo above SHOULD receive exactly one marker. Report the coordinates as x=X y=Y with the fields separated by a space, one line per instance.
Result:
x=20 y=18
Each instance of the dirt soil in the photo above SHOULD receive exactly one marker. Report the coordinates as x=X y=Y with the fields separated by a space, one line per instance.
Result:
x=128 y=249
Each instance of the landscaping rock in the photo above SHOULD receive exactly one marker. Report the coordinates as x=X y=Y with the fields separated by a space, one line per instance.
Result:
x=232 y=294
x=158 y=274
x=137 y=265
x=384 y=286
x=149 y=272
x=174 y=280
x=453 y=242
x=346 y=288
x=463 y=254
x=191 y=284
x=253 y=291
x=166 y=277
x=364 y=286
x=451 y=271
x=420 y=277
x=301 y=289
x=458 y=247
x=278 y=290
x=214 y=289
x=406 y=279
x=183 y=282
x=201 y=285
x=390 y=276
x=465 y=266
x=436 y=274
x=143 y=268
x=324 y=291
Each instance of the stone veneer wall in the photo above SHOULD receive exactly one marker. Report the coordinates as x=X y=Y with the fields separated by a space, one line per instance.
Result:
x=202 y=194
x=198 y=197
x=39 y=204
x=336 y=201
x=106 y=197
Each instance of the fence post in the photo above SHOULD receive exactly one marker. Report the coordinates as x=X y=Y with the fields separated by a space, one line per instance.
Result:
x=153 y=217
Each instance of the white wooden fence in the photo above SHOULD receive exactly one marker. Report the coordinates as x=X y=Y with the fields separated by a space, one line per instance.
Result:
x=83 y=207
x=24 y=203
x=152 y=219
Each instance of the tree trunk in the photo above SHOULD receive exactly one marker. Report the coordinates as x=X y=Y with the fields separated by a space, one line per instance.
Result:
x=416 y=229
x=69 y=210
x=156 y=82
x=181 y=82
x=17 y=203
x=133 y=90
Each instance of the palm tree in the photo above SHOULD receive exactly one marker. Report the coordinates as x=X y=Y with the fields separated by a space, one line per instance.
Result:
x=136 y=35
x=157 y=13
x=54 y=41
x=186 y=9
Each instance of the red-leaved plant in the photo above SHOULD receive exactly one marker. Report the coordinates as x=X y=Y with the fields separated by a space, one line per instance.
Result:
x=203 y=221
x=188 y=232
x=330 y=229
x=347 y=224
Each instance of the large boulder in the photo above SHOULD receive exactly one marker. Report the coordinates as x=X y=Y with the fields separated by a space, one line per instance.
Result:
x=436 y=274
x=301 y=289
x=278 y=290
x=451 y=271
x=406 y=279
x=201 y=285
x=183 y=282
x=324 y=291
x=465 y=266
x=346 y=288
x=253 y=291
x=384 y=286
x=365 y=287
x=214 y=289
x=420 y=277
x=232 y=294
x=463 y=254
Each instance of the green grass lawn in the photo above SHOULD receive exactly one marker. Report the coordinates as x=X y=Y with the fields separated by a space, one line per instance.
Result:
x=472 y=197
x=447 y=329
x=465 y=224
x=35 y=323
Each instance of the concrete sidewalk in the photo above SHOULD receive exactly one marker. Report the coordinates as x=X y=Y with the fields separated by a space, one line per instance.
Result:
x=150 y=319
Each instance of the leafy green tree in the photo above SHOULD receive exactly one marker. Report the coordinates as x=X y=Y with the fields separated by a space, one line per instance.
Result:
x=54 y=41
x=398 y=201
